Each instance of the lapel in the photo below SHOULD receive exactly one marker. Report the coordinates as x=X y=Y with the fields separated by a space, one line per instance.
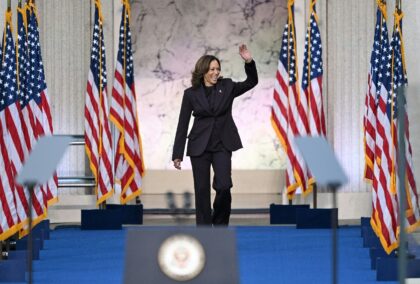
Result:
x=201 y=96
x=220 y=95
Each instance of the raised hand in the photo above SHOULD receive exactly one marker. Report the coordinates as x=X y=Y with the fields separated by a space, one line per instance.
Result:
x=245 y=53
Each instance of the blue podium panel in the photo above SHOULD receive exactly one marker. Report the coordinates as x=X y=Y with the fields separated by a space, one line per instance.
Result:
x=45 y=226
x=376 y=253
x=365 y=221
x=367 y=232
x=37 y=245
x=97 y=219
x=131 y=214
x=371 y=241
x=13 y=270
x=316 y=218
x=38 y=235
x=284 y=214
x=387 y=269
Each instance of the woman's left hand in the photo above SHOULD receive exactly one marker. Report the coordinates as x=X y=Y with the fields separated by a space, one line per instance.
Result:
x=245 y=53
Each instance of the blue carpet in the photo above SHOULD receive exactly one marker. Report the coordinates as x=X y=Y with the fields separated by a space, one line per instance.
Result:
x=266 y=255
x=288 y=255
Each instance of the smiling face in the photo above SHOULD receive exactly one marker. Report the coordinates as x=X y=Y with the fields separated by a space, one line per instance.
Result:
x=210 y=78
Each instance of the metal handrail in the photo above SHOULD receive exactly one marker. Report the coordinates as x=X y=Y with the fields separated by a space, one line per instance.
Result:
x=79 y=181
x=78 y=139
x=76 y=181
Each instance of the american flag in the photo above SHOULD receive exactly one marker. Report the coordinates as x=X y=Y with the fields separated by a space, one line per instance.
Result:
x=40 y=197
x=97 y=130
x=312 y=75
x=400 y=79
x=369 y=119
x=37 y=88
x=9 y=219
x=289 y=113
x=129 y=166
x=384 y=220
x=12 y=124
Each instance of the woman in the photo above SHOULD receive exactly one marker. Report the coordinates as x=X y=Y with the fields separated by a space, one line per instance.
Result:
x=213 y=135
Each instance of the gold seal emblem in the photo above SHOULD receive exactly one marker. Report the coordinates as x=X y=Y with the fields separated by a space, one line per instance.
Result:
x=181 y=257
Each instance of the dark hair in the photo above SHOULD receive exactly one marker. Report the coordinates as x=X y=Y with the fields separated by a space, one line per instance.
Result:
x=202 y=67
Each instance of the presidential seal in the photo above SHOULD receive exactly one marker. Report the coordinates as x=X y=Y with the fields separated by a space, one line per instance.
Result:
x=181 y=257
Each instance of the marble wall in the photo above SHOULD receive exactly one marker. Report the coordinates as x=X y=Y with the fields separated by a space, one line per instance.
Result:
x=169 y=36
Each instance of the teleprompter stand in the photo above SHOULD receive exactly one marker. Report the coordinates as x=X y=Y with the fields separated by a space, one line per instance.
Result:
x=38 y=169
x=327 y=171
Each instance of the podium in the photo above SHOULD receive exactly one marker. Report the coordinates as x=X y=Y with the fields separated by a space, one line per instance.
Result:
x=181 y=255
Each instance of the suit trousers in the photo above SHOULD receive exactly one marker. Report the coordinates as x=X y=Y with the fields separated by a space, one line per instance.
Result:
x=222 y=183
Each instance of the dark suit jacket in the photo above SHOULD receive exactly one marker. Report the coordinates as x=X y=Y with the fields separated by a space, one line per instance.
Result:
x=195 y=102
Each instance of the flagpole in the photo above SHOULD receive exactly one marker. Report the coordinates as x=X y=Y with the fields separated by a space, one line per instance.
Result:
x=312 y=9
x=289 y=19
x=334 y=235
x=102 y=205
x=29 y=249
x=402 y=250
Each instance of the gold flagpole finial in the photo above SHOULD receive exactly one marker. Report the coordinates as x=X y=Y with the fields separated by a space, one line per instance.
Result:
x=312 y=5
x=126 y=3
x=382 y=7
x=99 y=5
x=398 y=15
x=312 y=10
